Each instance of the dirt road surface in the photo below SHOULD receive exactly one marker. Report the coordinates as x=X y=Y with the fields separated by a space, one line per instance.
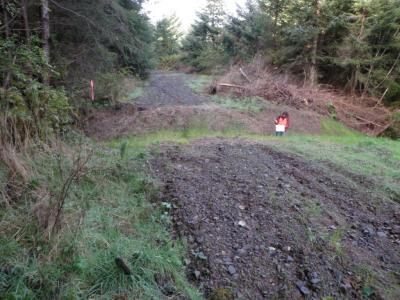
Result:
x=263 y=224
x=168 y=89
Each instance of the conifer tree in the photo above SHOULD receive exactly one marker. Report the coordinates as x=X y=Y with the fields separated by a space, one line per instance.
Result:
x=204 y=43
x=166 y=36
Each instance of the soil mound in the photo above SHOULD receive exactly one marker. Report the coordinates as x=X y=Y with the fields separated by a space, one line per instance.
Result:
x=262 y=224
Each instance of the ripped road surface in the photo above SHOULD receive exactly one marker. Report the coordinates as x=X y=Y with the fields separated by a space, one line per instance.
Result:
x=262 y=224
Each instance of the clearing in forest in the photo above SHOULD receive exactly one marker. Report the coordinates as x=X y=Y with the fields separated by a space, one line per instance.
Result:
x=267 y=218
x=169 y=103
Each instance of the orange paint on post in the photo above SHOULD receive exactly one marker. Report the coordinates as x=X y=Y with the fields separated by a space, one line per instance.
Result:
x=92 y=90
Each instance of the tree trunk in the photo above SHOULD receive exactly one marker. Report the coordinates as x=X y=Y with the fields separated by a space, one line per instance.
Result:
x=313 y=67
x=46 y=29
x=7 y=34
x=5 y=17
x=356 y=71
x=46 y=37
x=364 y=13
x=353 y=81
x=314 y=50
x=276 y=9
x=275 y=33
x=24 y=7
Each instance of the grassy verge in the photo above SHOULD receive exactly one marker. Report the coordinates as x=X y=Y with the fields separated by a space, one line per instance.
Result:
x=134 y=88
x=107 y=215
x=377 y=158
x=183 y=136
x=245 y=104
x=199 y=83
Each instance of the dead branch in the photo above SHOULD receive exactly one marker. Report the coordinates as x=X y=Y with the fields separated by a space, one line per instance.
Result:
x=382 y=98
x=382 y=130
x=353 y=111
x=233 y=86
x=123 y=266
x=367 y=121
x=77 y=168
x=244 y=75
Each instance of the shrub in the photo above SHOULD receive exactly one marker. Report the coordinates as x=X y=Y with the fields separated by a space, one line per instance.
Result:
x=111 y=86
x=30 y=108
x=170 y=62
x=211 y=58
x=393 y=131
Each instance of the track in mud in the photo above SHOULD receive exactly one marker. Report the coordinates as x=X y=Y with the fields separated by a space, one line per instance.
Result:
x=267 y=225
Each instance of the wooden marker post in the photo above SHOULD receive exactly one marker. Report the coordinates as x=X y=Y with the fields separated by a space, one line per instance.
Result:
x=92 y=90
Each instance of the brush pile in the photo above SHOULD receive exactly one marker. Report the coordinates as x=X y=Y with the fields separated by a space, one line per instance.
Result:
x=259 y=79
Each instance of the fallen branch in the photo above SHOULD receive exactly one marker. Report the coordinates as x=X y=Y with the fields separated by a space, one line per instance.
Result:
x=384 y=129
x=244 y=75
x=381 y=99
x=233 y=86
x=123 y=266
x=367 y=121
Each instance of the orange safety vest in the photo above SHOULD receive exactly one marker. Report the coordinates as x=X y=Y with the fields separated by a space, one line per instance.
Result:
x=282 y=121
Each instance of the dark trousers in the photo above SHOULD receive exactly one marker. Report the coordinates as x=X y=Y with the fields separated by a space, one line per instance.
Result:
x=279 y=133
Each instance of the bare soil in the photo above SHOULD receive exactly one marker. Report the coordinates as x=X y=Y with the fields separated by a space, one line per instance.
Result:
x=262 y=224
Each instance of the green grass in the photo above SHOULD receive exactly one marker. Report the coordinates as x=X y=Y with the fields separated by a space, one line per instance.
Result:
x=199 y=83
x=335 y=240
x=183 y=136
x=331 y=127
x=375 y=158
x=134 y=92
x=245 y=104
x=108 y=214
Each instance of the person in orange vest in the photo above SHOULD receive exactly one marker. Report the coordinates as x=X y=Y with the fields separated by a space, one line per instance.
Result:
x=282 y=124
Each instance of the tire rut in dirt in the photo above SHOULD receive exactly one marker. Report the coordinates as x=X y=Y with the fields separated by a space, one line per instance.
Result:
x=266 y=225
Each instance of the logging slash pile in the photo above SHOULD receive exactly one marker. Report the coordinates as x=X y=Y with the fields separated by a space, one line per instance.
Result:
x=259 y=79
